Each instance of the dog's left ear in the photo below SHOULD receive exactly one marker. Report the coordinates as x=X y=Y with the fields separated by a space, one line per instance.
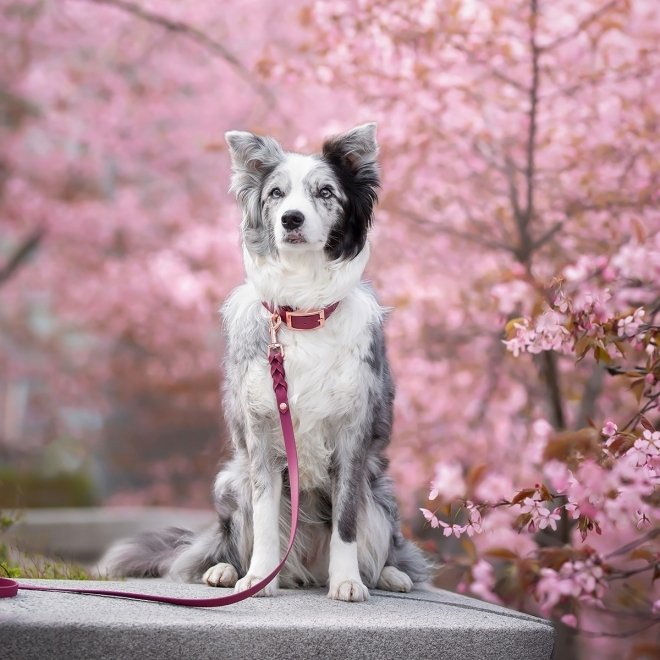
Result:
x=252 y=154
x=253 y=157
x=355 y=148
x=353 y=157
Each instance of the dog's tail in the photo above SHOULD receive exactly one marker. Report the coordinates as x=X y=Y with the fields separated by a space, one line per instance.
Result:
x=407 y=557
x=149 y=554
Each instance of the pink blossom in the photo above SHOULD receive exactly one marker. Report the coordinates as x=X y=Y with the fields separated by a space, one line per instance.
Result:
x=610 y=429
x=430 y=517
x=572 y=509
x=590 y=487
x=558 y=475
x=448 y=529
x=474 y=519
x=494 y=487
x=483 y=581
x=579 y=579
x=562 y=303
x=448 y=483
x=646 y=448
x=569 y=620
x=510 y=295
x=497 y=532
x=637 y=261
x=630 y=325
x=541 y=516
x=593 y=308
x=642 y=520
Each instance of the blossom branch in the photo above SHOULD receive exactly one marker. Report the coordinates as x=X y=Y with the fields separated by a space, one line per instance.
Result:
x=580 y=27
x=200 y=38
x=634 y=544
x=532 y=118
x=21 y=254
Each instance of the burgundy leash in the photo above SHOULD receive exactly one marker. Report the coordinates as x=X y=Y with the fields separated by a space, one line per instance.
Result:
x=301 y=321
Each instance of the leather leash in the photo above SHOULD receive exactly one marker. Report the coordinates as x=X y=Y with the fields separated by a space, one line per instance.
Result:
x=296 y=321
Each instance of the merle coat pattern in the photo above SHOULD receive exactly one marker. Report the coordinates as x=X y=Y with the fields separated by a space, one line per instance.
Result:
x=304 y=235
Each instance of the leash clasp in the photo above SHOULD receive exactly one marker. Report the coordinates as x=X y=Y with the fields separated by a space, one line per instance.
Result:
x=274 y=346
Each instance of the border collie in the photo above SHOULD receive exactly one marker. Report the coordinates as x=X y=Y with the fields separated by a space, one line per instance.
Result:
x=304 y=231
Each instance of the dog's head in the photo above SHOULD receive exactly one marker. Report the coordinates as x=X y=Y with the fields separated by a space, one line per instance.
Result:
x=293 y=202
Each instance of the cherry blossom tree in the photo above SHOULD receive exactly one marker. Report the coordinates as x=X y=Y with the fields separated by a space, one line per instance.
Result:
x=519 y=172
x=517 y=240
x=118 y=240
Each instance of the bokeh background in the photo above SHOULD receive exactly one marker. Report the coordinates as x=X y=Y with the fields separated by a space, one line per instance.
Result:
x=519 y=144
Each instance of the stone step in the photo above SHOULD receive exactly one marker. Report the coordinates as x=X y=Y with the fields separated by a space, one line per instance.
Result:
x=83 y=534
x=424 y=624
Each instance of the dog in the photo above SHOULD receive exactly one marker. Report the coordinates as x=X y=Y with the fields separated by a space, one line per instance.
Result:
x=305 y=220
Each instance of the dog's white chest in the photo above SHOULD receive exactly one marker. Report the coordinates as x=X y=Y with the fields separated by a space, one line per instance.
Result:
x=327 y=378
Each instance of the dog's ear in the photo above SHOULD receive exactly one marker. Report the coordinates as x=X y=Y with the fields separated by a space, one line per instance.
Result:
x=251 y=154
x=353 y=157
x=355 y=148
x=253 y=158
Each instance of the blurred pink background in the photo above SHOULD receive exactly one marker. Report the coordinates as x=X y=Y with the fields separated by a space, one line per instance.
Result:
x=519 y=143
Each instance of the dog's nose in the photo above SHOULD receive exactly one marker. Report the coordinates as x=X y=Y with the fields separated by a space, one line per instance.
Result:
x=292 y=219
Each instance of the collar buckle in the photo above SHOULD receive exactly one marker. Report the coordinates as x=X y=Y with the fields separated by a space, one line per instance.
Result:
x=320 y=318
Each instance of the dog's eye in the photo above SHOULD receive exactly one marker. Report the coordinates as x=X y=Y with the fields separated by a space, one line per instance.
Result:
x=276 y=192
x=325 y=193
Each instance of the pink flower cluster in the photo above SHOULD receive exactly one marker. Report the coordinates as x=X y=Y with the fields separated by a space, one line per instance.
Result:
x=540 y=515
x=638 y=261
x=483 y=581
x=618 y=494
x=634 y=476
x=646 y=451
x=471 y=527
x=448 y=482
x=583 y=580
x=631 y=324
x=548 y=333
x=560 y=327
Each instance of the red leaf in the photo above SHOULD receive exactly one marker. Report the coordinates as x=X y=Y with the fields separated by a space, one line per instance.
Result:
x=646 y=424
x=526 y=492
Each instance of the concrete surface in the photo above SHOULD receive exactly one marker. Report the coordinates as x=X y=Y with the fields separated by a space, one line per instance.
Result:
x=293 y=625
x=83 y=534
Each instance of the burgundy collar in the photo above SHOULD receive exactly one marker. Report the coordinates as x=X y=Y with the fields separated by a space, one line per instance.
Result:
x=302 y=320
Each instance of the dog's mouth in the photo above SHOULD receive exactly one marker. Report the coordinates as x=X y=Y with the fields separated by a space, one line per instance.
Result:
x=295 y=237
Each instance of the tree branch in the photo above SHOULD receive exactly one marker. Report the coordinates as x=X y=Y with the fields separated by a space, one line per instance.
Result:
x=550 y=374
x=21 y=255
x=547 y=237
x=592 y=390
x=531 y=135
x=584 y=23
x=201 y=39
x=477 y=239
x=510 y=173
x=649 y=536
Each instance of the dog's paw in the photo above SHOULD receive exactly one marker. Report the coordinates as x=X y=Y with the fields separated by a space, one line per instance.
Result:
x=352 y=591
x=392 y=579
x=221 y=575
x=250 y=580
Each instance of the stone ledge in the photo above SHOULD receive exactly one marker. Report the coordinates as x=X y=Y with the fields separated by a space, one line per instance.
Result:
x=296 y=624
x=83 y=534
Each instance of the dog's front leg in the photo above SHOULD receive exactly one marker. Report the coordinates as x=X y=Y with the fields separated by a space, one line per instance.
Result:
x=347 y=493
x=266 y=493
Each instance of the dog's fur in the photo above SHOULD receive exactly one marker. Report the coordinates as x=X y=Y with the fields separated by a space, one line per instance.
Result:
x=340 y=390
